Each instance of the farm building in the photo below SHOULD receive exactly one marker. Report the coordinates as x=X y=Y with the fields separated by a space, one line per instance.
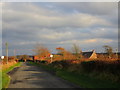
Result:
x=89 y=55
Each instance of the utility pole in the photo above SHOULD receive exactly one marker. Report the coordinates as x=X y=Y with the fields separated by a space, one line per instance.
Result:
x=6 y=52
x=14 y=54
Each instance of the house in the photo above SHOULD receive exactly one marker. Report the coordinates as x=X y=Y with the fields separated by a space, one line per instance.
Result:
x=89 y=55
x=105 y=55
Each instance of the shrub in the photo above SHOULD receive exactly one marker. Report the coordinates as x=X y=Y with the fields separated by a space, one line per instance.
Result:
x=43 y=61
x=102 y=66
x=101 y=69
x=88 y=66
x=60 y=64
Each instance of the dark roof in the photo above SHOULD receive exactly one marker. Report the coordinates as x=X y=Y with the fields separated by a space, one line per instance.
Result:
x=87 y=54
x=105 y=53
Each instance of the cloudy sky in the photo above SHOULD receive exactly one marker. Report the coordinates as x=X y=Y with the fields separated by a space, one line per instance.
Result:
x=88 y=24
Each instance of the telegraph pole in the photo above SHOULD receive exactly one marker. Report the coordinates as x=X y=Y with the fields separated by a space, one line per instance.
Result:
x=6 y=52
x=15 y=54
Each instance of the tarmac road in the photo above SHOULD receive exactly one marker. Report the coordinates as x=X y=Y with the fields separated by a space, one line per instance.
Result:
x=29 y=76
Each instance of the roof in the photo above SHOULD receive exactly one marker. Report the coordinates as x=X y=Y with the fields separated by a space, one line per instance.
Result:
x=106 y=53
x=87 y=54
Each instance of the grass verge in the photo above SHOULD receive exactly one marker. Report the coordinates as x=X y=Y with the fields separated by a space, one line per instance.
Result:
x=85 y=81
x=5 y=77
x=81 y=79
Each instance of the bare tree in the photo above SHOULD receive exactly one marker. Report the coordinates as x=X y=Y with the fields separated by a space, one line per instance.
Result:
x=41 y=50
x=77 y=51
x=108 y=50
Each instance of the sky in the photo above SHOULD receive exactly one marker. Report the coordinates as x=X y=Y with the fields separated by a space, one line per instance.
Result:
x=91 y=25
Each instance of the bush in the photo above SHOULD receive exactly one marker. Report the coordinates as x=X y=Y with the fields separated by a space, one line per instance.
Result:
x=102 y=66
x=104 y=70
x=88 y=66
x=74 y=68
x=60 y=64
x=43 y=61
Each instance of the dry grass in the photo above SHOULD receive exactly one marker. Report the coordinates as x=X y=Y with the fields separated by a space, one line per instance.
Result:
x=6 y=66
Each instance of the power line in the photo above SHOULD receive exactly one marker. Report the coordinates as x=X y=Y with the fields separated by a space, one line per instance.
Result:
x=19 y=50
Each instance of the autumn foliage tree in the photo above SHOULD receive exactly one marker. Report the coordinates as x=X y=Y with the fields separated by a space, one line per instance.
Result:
x=66 y=55
x=60 y=50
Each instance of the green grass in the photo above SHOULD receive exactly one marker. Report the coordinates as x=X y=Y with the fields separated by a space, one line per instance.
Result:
x=85 y=81
x=81 y=79
x=5 y=78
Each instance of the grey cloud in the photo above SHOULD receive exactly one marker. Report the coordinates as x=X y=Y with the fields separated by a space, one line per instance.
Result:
x=25 y=24
x=94 y=8
x=41 y=19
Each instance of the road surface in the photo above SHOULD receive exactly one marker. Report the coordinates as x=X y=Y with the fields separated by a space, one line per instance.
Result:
x=29 y=76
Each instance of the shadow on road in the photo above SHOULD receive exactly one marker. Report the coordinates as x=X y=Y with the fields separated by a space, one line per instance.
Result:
x=29 y=76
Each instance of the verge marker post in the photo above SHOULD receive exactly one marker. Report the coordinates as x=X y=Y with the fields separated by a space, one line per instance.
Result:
x=51 y=58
